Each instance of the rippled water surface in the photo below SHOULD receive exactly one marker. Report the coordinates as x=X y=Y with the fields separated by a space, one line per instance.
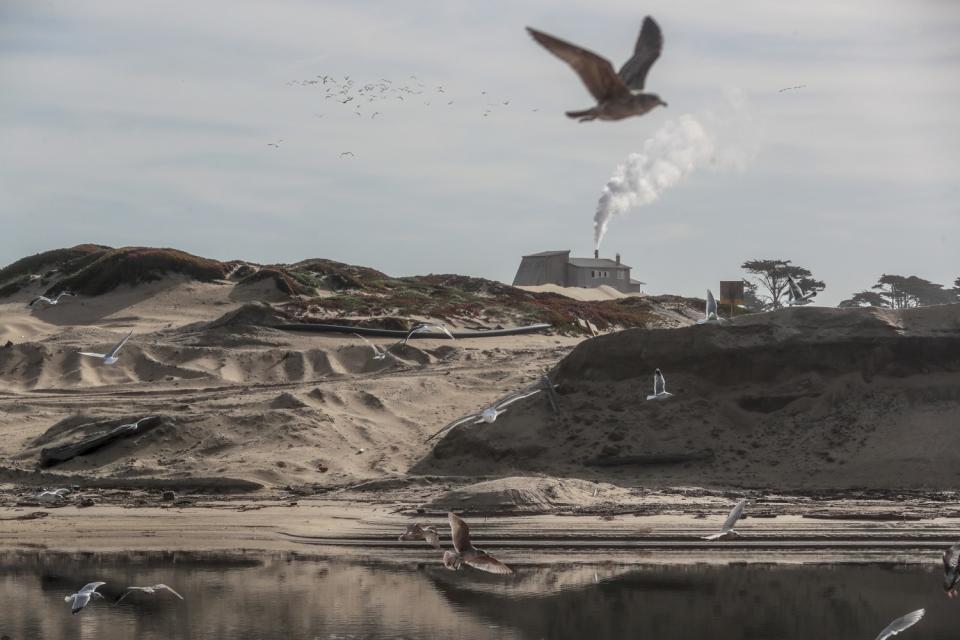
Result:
x=261 y=597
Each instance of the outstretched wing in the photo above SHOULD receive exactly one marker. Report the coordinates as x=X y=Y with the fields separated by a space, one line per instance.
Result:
x=80 y=600
x=116 y=349
x=649 y=45
x=93 y=355
x=659 y=383
x=506 y=402
x=711 y=303
x=595 y=71
x=485 y=562
x=453 y=425
x=371 y=345
x=459 y=533
x=735 y=514
x=91 y=587
x=432 y=537
x=38 y=299
x=163 y=586
x=901 y=624
x=446 y=331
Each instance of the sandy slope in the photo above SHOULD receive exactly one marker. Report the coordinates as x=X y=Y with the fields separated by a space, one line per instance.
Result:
x=603 y=292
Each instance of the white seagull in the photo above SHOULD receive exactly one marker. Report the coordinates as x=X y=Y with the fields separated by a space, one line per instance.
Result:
x=378 y=352
x=797 y=296
x=710 y=315
x=133 y=426
x=727 y=531
x=427 y=328
x=659 y=387
x=53 y=496
x=82 y=598
x=109 y=358
x=50 y=301
x=151 y=589
x=488 y=414
x=901 y=624
x=416 y=531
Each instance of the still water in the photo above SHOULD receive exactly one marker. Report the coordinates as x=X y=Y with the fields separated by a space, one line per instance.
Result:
x=266 y=597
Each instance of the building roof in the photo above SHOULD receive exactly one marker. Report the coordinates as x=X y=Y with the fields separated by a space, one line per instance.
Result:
x=606 y=263
x=544 y=254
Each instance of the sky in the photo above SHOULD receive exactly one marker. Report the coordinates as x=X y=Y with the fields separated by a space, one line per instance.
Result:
x=148 y=124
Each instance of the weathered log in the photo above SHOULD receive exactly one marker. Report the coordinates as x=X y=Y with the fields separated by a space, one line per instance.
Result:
x=50 y=456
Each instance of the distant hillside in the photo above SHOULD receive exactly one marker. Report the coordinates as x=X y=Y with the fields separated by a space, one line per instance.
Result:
x=318 y=290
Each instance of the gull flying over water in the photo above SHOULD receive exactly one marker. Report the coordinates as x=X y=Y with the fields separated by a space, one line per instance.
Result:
x=901 y=624
x=951 y=570
x=151 y=589
x=468 y=554
x=416 y=531
x=488 y=414
x=727 y=531
x=53 y=495
x=619 y=95
x=659 y=387
x=710 y=315
x=50 y=301
x=797 y=296
x=81 y=598
x=112 y=356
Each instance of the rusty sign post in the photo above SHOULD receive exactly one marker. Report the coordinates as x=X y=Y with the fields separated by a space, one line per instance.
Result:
x=731 y=292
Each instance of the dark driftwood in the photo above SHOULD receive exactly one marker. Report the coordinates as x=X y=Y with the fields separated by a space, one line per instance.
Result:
x=651 y=459
x=50 y=456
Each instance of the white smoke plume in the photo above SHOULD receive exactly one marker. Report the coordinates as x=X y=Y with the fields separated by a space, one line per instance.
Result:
x=676 y=150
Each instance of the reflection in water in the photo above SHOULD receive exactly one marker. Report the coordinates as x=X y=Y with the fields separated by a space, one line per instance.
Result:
x=279 y=597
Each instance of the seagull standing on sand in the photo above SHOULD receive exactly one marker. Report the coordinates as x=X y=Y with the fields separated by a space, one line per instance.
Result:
x=427 y=328
x=727 y=531
x=797 y=296
x=427 y=533
x=659 y=387
x=901 y=624
x=488 y=414
x=50 y=301
x=951 y=570
x=619 y=95
x=111 y=357
x=81 y=598
x=467 y=553
x=151 y=589
x=711 y=316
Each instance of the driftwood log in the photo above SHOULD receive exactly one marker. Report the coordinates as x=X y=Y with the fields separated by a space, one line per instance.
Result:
x=50 y=456
x=650 y=459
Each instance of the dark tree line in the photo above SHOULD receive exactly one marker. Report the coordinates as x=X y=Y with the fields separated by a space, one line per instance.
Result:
x=902 y=292
x=769 y=287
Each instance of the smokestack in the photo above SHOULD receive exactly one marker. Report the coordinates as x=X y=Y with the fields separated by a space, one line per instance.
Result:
x=618 y=258
x=596 y=253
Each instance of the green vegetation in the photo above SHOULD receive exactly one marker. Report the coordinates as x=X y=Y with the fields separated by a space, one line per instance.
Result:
x=135 y=265
x=902 y=292
x=47 y=264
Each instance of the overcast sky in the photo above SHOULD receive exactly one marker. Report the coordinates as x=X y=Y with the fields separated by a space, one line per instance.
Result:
x=147 y=123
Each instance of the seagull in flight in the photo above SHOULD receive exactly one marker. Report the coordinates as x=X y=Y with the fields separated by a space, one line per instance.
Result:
x=951 y=570
x=427 y=328
x=618 y=95
x=727 y=531
x=659 y=387
x=347 y=153
x=50 y=301
x=151 y=589
x=53 y=495
x=378 y=352
x=488 y=414
x=82 y=598
x=468 y=554
x=112 y=356
x=799 y=86
x=416 y=531
x=797 y=296
x=275 y=145
x=901 y=624
x=710 y=315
